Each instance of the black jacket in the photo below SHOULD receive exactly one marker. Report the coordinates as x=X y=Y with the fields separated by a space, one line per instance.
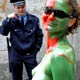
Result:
x=23 y=39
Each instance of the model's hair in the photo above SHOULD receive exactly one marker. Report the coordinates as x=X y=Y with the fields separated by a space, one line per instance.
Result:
x=78 y=9
x=74 y=13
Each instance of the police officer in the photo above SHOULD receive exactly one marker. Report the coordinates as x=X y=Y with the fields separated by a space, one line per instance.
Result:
x=25 y=38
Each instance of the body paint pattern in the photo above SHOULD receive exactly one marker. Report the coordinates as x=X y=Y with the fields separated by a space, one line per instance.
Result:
x=59 y=60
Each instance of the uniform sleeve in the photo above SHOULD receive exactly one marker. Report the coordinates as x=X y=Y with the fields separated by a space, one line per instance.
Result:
x=4 y=27
x=39 y=37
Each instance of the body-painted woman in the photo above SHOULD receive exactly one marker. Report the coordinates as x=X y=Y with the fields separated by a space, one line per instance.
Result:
x=59 y=19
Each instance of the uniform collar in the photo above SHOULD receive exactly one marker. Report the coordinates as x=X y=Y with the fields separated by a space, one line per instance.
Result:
x=29 y=18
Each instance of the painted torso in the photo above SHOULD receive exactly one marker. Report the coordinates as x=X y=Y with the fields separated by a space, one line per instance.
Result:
x=58 y=64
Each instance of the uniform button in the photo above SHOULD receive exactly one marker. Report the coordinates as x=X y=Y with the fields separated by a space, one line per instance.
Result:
x=27 y=53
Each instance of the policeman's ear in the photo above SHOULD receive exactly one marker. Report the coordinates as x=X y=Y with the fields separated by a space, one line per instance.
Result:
x=72 y=22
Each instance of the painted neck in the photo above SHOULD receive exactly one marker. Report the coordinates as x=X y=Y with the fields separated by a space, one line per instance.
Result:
x=53 y=42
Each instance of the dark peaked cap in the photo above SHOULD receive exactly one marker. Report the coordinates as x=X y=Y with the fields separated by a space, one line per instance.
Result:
x=17 y=2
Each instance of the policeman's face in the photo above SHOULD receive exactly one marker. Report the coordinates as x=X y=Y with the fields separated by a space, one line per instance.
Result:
x=20 y=10
x=56 y=15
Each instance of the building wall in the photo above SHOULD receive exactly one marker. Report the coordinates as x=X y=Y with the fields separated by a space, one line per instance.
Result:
x=35 y=7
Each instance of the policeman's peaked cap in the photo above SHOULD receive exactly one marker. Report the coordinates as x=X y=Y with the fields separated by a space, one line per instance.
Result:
x=17 y=2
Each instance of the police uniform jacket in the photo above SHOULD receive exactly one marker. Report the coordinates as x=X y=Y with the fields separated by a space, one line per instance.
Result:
x=26 y=38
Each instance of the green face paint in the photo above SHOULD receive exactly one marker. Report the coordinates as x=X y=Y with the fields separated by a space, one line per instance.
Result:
x=59 y=24
x=62 y=5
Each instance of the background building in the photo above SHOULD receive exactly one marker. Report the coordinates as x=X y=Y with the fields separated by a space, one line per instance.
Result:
x=35 y=7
